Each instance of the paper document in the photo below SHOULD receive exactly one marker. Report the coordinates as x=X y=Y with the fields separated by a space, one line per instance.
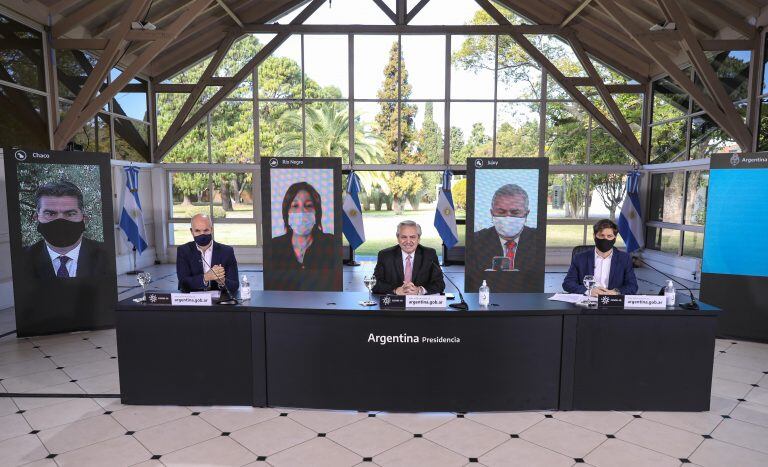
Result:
x=212 y=293
x=569 y=297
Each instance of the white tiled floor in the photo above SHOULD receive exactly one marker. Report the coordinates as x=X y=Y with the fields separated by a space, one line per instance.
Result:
x=99 y=431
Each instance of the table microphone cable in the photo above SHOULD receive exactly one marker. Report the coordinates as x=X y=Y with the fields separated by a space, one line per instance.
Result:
x=461 y=305
x=685 y=306
x=222 y=285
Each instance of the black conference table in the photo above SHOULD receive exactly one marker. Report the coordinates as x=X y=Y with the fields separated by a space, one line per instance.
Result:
x=323 y=350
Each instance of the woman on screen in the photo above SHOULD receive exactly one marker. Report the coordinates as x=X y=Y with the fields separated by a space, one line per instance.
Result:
x=304 y=244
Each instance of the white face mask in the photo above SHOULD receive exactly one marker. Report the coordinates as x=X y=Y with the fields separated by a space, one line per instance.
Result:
x=301 y=222
x=508 y=227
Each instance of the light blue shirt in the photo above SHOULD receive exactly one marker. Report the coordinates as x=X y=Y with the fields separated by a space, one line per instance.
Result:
x=71 y=265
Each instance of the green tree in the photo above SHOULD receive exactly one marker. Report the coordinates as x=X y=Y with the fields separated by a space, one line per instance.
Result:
x=430 y=137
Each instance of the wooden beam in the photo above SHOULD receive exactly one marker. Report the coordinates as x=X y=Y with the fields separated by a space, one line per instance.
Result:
x=641 y=11
x=171 y=139
x=402 y=11
x=725 y=44
x=79 y=16
x=146 y=35
x=415 y=10
x=633 y=147
x=188 y=87
x=669 y=66
x=575 y=13
x=387 y=11
x=80 y=44
x=58 y=7
x=728 y=15
x=626 y=88
x=137 y=65
x=664 y=35
x=107 y=60
x=707 y=74
x=375 y=29
x=230 y=12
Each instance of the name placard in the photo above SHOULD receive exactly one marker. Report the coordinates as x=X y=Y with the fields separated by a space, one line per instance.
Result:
x=426 y=301
x=183 y=299
x=632 y=301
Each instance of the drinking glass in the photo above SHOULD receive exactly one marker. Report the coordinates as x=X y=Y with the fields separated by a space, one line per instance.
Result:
x=589 y=283
x=369 y=282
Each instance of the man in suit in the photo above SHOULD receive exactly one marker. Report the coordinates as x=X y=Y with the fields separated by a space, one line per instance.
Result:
x=203 y=264
x=509 y=237
x=611 y=268
x=408 y=268
x=64 y=252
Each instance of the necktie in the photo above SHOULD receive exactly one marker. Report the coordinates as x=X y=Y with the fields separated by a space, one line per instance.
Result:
x=62 y=271
x=408 y=269
x=510 y=253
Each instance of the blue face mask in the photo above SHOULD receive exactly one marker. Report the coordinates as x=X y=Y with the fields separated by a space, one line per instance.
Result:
x=203 y=239
x=301 y=222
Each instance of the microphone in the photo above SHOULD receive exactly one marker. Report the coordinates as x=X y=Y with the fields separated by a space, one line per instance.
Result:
x=685 y=306
x=229 y=299
x=461 y=305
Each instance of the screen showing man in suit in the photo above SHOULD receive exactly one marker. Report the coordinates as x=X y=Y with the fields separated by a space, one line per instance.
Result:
x=504 y=248
x=408 y=268
x=204 y=264
x=63 y=252
x=303 y=253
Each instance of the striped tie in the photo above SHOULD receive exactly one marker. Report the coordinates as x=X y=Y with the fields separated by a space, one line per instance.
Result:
x=62 y=271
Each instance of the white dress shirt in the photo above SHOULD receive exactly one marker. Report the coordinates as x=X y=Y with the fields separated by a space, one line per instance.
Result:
x=208 y=255
x=71 y=265
x=602 y=269
x=422 y=290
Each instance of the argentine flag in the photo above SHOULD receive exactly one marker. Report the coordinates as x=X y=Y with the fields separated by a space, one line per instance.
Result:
x=131 y=218
x=445 y=214
x=631 y=218
x=353 y=213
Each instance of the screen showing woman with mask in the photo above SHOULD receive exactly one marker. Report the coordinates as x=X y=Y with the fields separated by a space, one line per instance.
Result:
x=304 y=246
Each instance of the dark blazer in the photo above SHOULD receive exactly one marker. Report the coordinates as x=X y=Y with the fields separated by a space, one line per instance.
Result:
x=93 y=260
x=189 y=267
x=426 y=270
x=622 y=276
x=486 y=244
x=322 y=254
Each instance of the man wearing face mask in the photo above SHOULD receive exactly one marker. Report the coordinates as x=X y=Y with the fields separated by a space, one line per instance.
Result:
x=203 y=264
x=611 y=268
x=509 y=237
x=408 y=268
x=64 y=253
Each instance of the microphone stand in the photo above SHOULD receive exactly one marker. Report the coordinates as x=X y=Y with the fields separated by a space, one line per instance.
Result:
x=223 y=289
x=461 y=305
x=685 y=306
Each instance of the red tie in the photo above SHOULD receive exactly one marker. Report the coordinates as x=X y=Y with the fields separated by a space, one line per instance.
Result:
x=510 y=253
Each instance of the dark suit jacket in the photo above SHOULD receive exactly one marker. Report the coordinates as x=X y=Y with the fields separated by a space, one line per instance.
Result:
x=189 y=267
x=93 y=260
x=486 y=245
x=622 y=276
x=390 y=274
x=322 y=254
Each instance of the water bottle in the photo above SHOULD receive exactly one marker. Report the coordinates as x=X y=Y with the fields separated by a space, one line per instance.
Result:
x=485 y=295
x=245 y=288
x=669 y=293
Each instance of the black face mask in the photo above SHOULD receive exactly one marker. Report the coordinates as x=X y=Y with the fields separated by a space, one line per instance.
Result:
x=604 y=245
x=61 y=232
x=203 y=239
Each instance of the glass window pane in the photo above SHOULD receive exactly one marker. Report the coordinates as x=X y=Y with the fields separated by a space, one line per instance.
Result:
x=131 y=104
x=232 y=195
x=189 y=195
x=566 y=133
x=94 y=136
x=519 y=76
x=732 y=69
x=696 y=197
x=559 y=52
x=566 y=196
x=707 y=138
x=375 y=60
x=565 y=236
x=370 y=146
x=21 y=57
x=232 y=132
x=517 y=129
x=604 y=149
x=668 y=141
x=24 y=119
x=454 y=12
x=472 y=67
x=347 y=12
x=178 y=233
x=424 y=62
x=235 y=234
x=606 y=195
x=327 y=130
x=763 y=138
x=693 y=244
x=131 y=140
x=280 y=75
x=429 y=123
x=279 y=124
x=471 y=130
x=669 y=101
x=325 y=65
x=666 y=240
x=193 y=147
x=667 y=197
